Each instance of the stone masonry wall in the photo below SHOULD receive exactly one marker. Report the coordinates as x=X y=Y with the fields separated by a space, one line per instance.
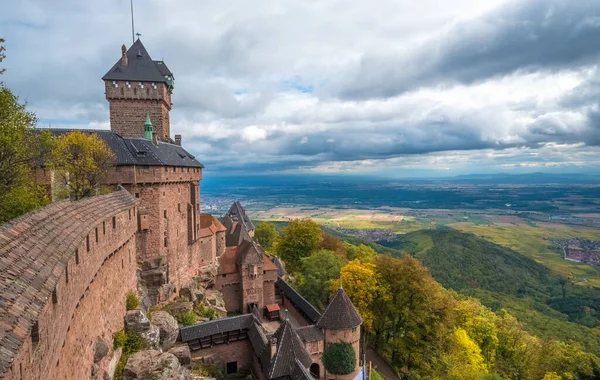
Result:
x=229 y=285
x=129 y=105
x=239 y=351
x=100 y=314
x=351 y=336
x=88 y=299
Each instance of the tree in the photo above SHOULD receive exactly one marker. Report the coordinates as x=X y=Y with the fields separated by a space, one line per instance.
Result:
x=298 y=239
x=362 y=283
x=411 y=328
x=265 y=234
x=362 y=252
x=333 y=244
x=81 y=160
x=2 y=56
x=318 y=272
x=339 y=358
x=463 y=358
x=21 y=147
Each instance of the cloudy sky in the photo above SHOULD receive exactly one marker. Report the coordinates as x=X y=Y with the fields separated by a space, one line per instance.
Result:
x=390 y=87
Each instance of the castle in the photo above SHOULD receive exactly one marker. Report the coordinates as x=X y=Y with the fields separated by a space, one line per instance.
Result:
x=65 y=269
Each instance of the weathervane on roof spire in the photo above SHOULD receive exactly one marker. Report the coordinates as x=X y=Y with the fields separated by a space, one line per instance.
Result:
x=341 y=281
x=138 y=35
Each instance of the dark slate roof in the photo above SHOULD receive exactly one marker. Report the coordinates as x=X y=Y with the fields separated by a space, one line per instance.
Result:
x=258 y=339
x=139 y=151
x=340 y=313
x=163 y=69
x=140 y=67
x=235 y=235
x=205 y=329
x=300 y=373
x=250 y=252
x=306 y=307
x=280 y=269
x=237 y=211
x=310 y=333
x=34 y=251
x=289 y=349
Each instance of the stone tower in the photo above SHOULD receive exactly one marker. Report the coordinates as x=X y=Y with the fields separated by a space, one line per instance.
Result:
x=341 y=323
x=135 y=87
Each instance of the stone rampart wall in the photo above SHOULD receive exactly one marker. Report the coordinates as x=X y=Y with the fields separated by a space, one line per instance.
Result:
x=65 y=271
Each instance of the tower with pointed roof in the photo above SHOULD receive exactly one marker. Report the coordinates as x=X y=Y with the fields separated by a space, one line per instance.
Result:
x=341 y=324
x=137 y=86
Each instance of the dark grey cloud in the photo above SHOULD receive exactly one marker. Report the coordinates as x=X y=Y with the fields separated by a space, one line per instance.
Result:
x=522 y=36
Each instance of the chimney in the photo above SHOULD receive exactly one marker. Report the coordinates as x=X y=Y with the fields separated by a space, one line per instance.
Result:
x=123 y=56
x=154 y=138
x=178 y=140
x=273 y=343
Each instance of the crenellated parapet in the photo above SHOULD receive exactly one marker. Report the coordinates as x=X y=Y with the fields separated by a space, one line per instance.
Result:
x=64 y=272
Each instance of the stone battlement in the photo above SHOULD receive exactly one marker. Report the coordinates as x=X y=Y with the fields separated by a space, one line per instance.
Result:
x=48 y=261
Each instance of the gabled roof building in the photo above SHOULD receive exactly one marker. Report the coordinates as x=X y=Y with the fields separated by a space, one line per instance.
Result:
x=248 y=280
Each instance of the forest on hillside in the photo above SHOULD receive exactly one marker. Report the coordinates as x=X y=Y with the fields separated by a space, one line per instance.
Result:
x=427 y=327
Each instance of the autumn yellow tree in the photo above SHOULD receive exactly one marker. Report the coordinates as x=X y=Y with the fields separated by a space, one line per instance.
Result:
x=363 y=285
x=80 y=160
x=463 y=358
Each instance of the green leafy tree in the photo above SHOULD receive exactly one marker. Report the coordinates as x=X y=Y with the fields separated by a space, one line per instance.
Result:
x=265 y=234
x=298 y=239
x=339 y=358
x=318 y=272
x=361 y=252
x=21 y=147
x=81 y=160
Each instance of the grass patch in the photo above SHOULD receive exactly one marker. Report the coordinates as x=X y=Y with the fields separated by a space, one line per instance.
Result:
x=534 y=242
x=132 y=302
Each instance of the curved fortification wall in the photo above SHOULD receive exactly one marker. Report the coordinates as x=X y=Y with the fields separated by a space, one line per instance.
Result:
x=65 y=271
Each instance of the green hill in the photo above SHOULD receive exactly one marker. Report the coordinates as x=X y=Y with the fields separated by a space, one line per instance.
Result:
x=551 y=306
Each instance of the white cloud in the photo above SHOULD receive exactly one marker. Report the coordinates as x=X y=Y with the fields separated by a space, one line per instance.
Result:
x=253 y=134
x=262 y=82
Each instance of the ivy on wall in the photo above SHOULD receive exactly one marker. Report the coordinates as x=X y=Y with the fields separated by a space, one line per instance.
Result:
x=339 y=358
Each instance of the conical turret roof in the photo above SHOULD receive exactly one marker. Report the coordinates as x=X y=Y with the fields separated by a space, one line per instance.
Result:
x=290 y=350
x=340 y=314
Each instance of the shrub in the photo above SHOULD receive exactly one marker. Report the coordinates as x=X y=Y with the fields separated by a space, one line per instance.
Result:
x=130 y=342
x=206 y=312
x=207 y=370
x=120 y=339
x=339 y=358
x=187 y=319
x=375 y=375
x=132 y=301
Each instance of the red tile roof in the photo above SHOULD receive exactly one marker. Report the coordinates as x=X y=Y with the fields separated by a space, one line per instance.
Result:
x=228 y=261
x=273 y=307
x=209 y=225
